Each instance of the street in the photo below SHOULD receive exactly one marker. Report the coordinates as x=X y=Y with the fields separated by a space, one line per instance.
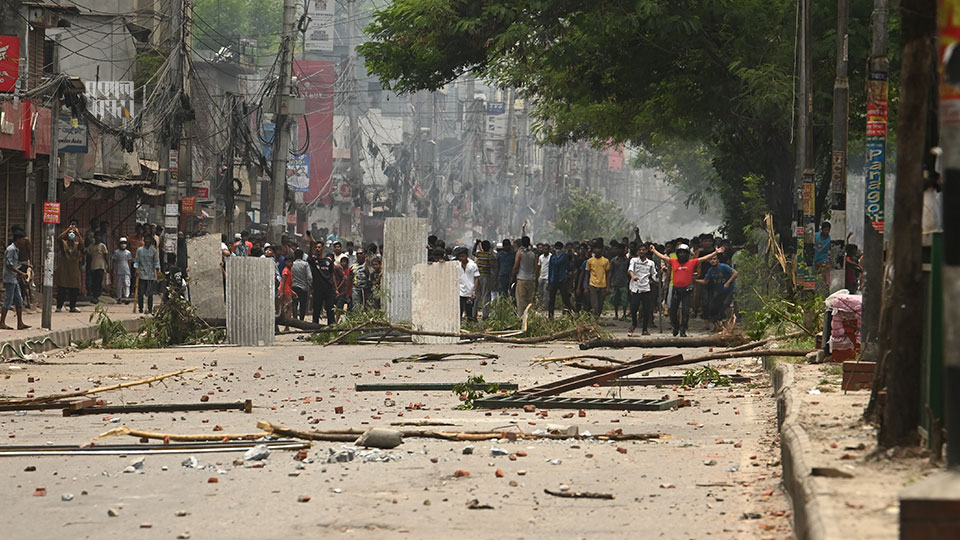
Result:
x=713 y=473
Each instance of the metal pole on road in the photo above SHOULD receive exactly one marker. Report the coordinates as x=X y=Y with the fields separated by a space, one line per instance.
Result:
x=50 y=229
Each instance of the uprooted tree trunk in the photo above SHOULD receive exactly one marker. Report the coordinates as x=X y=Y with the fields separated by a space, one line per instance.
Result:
x=717 y=340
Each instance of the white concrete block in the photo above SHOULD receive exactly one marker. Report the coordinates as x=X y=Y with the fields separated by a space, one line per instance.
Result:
x=250 y=301
x=404 y=245
x=206 y=278
x=436 y=301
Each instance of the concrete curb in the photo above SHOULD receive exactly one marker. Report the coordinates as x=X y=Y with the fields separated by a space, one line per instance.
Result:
x=56 y=340
x=808 y=523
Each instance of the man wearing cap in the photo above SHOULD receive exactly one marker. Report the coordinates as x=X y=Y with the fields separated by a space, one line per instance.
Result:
x=120 y=263
x=683 y=267
x=11 y=282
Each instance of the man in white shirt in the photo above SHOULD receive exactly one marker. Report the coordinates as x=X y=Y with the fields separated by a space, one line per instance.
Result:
x=643 y=273
x=469 y=280
x=543 y=266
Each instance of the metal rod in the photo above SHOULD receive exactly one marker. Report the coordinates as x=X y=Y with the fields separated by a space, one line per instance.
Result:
x=124 y=449
x=590 y=379
x=245 y=406
x=399 y=386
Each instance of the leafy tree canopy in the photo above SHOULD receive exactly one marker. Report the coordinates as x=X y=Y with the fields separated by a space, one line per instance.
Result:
x=716 y=75
x=221 y=23
x=588 y=216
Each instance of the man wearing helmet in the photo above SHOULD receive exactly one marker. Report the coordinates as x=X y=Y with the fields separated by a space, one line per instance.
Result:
x=683 y=267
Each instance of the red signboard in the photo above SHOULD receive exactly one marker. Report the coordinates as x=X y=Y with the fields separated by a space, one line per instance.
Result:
x=51 y=212
x=187 y=205
x=9 y=62
x=316 y=81
x=345 y=190
x=203 y=193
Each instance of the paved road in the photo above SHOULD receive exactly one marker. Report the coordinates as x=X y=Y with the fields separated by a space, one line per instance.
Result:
x=663 y=488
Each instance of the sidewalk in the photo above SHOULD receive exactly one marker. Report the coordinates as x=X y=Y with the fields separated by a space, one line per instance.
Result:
x=66 y=327
x=851 y=497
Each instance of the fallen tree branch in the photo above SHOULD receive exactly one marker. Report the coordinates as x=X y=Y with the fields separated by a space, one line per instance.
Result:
x=547 y=359
x=718 y=340
x=762 y=342
x=201 y=437
x=58 y=397
x=579 y=494
x=711 y=356
x=342 y=435
x=478 y=336
x=347 y=333
x=433 y=357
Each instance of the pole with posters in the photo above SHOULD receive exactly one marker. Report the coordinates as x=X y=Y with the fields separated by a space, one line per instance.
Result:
x=49 y=226
x=873 y=219
x=838 y=158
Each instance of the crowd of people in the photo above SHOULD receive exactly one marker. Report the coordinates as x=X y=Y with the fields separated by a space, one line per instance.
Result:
x=323 y=276
x=86 y=263
x=690 y=277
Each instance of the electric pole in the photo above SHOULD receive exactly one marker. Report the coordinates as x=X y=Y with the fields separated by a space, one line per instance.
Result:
x=281 y=129
x=226 y=179
x=873 y=220
x=838 y=161
x=186 y=156
x=356 y=172
x=804 y=174
x=170 y=138
x=50 y=229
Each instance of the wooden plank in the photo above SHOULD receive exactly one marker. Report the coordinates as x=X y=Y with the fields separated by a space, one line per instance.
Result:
x=407 y=386
x=52 y=405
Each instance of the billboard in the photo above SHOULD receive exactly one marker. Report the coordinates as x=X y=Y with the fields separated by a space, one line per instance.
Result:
x=319 y=33
x=298 y=173
x=316 y=80
x=9 y=62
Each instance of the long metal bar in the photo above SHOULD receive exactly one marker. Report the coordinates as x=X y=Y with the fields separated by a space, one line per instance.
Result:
x=516 y=401
x=245 y=406
x=665 y=380
x=400 y=386
x=589 y=379
x=129 y=449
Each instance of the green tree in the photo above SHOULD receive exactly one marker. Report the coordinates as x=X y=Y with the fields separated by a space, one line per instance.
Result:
x=585 y=215
x=715 y=75
x=222 y=23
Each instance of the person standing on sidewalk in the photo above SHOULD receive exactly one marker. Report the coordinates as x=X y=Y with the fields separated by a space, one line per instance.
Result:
x=505 y=260
x=67 y=273
x=147 y=268
x=525 y=272
x=11 y=281
x=324 y=291
x=120 y=261
x=97 y=256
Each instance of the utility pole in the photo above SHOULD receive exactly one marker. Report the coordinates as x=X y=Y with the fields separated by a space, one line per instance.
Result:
x=170 y=140
x=804 y=174
x=226 y=179
x=838 y=161
x=50 y=229
x=873 y=220
x=950 y=164
x=356 y=172
x=186 y=156
x=508 y=167
x=281 y=129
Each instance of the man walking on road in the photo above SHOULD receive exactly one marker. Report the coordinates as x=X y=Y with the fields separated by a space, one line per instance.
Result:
x=301 y=284
x=487 y=290
x=147 y=267
x=598 y=267
x=469 y=281
x=11 y=282
x=323 y=287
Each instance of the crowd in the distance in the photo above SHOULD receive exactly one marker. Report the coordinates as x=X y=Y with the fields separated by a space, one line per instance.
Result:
x=689 y=277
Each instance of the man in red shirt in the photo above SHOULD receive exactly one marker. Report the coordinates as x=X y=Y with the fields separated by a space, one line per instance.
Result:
x=683 y=268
